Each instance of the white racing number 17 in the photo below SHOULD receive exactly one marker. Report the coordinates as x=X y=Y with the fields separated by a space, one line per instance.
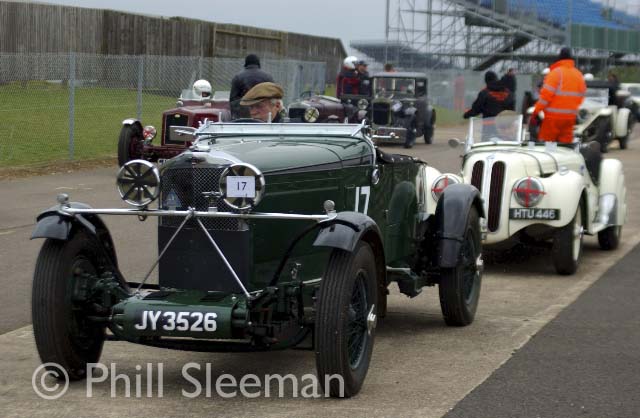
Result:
x=366 y=191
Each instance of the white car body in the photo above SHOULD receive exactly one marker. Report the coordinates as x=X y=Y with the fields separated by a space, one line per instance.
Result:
x=599 y=121
x=496 y=167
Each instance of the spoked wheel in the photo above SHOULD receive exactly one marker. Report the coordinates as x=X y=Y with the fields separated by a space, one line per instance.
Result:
x=567 y=245
x=460 y=286
x=129 y=144
x=62 y=330
x=346 y=320
x=604 y=135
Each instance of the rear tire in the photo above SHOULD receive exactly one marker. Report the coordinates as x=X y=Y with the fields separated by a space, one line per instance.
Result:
x=609 y=238
x=345 y=331
x=62 y=332
x=128 y=143
x=459 y=287
x=567 y=245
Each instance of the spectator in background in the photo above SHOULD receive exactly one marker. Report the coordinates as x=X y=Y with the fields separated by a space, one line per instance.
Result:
x=363 y=75
x=614 y=86
x=388 y=68
x=243 y=82
x=491 y=100
x=509 y=80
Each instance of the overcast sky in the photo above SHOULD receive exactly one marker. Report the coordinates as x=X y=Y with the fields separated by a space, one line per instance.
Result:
x=348 y=20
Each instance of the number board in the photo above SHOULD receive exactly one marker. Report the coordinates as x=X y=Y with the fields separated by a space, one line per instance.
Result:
x=241 y=186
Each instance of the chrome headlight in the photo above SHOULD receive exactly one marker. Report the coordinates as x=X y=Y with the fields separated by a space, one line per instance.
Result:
x=528 y=191
x=363 y=104
x=442 y=183
x=396 y=106
x=311 y=114
x=242 y=186
x=138 y=182
x=149 y=132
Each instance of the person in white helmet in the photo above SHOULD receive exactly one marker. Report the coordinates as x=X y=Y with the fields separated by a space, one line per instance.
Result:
x=202 y=89
x=348 y=81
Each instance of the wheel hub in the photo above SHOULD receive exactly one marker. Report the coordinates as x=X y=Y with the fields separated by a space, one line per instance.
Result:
x=372 y=320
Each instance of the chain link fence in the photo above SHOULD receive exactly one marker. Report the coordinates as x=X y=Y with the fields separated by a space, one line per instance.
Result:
x=71 y=106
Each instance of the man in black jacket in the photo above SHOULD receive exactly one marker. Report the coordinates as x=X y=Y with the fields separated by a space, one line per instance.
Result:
x=509 y=80
x=491 y=100
x=244 y=81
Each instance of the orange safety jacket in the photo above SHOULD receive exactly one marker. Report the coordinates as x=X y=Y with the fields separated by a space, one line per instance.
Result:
x=562 y=91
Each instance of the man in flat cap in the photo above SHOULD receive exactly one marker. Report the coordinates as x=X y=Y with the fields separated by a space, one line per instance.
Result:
x=264 y=99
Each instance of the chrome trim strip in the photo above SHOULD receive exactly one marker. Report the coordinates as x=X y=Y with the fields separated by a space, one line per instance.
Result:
x=196 y=214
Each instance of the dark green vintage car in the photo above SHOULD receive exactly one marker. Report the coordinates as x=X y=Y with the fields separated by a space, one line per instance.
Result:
x=269 y=236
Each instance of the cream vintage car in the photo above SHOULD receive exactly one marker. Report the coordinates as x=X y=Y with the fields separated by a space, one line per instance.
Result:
x=541 y=193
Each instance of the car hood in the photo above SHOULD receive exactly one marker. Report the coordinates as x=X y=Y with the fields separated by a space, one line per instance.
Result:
x=522 y=162
x=276 y=156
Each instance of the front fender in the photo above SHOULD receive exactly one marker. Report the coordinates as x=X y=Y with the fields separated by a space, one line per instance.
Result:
x=345 y=230
x=55 y=225
x=452 y=215
x=130 y=121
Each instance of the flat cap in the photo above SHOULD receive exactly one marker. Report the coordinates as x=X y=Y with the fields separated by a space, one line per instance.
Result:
x=262 y=91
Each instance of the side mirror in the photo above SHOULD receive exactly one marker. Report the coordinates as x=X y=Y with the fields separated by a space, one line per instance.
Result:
x=454 y=142
x=182 y=133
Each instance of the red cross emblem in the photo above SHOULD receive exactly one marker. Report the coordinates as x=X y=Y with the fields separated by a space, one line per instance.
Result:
x=528 y=191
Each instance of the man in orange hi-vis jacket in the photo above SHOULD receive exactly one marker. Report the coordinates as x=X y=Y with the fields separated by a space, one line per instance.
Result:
x=561 y=94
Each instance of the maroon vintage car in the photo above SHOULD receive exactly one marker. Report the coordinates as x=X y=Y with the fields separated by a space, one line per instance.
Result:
x=193 y=108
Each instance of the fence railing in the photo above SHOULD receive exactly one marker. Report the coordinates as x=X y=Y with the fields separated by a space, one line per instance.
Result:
x=71 y=106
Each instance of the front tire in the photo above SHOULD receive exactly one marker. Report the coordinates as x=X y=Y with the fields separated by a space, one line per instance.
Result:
x=428 y=134
x=567 y=245
x=61 y=329
x=345 y=320
x=129 y=143
x=609 y=238
x=459 y=287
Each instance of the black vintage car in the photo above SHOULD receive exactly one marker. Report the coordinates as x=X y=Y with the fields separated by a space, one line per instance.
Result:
x=397 y=108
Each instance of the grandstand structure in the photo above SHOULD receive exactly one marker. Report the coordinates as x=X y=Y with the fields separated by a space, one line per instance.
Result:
x=523 y=34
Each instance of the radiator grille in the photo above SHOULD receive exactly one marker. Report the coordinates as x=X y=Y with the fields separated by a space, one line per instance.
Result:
x=187 y=186
x=495 y=195
x=380 y=113
x=476 y=175
x=176 y=119
x=297 y=113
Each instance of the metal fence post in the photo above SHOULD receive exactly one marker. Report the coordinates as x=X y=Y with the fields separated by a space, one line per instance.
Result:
x=72 y=99
x=140 y=85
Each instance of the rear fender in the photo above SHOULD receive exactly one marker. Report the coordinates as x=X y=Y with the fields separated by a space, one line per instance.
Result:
x=622 y=122
x=452 y=215
x=612 y=183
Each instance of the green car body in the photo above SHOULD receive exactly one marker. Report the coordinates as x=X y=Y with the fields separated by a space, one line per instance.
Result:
x=333 y=210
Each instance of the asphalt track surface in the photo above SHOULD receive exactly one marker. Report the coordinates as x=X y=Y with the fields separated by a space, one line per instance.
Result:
x=420 y=367
x=584 y=363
